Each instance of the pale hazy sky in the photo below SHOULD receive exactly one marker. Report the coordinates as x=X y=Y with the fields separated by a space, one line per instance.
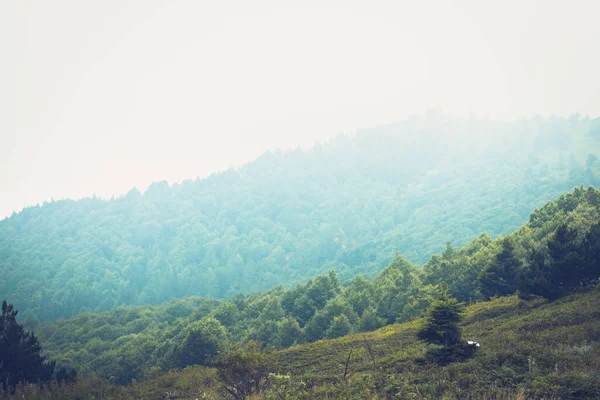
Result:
x=100 y=96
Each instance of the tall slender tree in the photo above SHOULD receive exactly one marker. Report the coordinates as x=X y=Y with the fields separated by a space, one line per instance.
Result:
x=20 y=358
x=500 y=278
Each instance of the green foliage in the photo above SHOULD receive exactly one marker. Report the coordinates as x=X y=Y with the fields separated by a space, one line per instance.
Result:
x=569 y=256
x=500 y=277
x=442 y=323
x=201 y=344
x=349 y=204
x=288 y=332
x=527 y=351
x=369 y=321
x=125 y=342
x=530 y=349
x=441 y=327
x=339 y=327
x=20 y=353
x=243 y=372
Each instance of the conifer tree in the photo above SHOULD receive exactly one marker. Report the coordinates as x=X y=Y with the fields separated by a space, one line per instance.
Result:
x=442 y=327
x=500 y=278
x=20 y=358
x=442 y=322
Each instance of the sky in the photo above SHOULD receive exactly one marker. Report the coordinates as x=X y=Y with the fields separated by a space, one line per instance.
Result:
x=97 y=97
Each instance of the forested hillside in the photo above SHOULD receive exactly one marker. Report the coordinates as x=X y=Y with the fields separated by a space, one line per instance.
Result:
x=555 y=254
x=348 y=204
x=530 y=349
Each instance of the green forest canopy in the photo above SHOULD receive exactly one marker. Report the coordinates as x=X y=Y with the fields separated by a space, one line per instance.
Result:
x=348 y=204
x=536 y=259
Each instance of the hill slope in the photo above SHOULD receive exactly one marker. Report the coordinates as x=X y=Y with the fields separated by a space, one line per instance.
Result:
x=529 y=350
x=554 y=254
x=349 y=204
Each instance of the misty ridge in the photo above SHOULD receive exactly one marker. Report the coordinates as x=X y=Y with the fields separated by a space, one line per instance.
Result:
x=349 y=204
x=308 y=200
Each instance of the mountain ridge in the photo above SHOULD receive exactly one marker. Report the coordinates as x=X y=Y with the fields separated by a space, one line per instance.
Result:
x=349 y=204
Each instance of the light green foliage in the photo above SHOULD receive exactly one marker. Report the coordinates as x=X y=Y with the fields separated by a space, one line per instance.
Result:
x=340 y=326
x=349 y=204
x=417 y=304
x=530 y=349
x=244 y=371
x=201 y=343
x=288 y=332
x=227 y=313
x=126 y=341
x=395 y=284
x=369 y=321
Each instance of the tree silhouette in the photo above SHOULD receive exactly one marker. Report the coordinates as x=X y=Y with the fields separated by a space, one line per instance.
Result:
x=442 y=323
x=20 y=359
x=500 y=278
x=442 y=327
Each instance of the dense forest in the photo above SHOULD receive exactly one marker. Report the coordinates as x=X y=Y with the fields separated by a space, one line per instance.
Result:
x=349 y=204
x=529 y=349
x=556 y=253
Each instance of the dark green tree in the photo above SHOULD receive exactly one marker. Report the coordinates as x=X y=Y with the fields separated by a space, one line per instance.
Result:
x=570 y=260
x=201 y=343
x=289 y=332
x=243 y=372
x=20 y=358
x=316 y=328
x=442 y=323
x=500 y=277
x=441 y=327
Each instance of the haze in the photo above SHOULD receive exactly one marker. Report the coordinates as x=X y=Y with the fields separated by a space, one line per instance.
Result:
x=98 y=97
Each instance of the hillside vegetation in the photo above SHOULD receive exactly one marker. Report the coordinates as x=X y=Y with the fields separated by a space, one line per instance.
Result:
x=556 y=253
x=530 y=349
x=348 y=204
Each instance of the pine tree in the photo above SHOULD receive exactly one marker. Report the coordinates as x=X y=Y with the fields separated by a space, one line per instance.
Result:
x=20 y=359
x=442 y=323
x=442 y=327
x=500 y=278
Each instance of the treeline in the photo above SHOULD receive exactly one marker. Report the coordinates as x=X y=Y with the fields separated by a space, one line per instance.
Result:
x=349 y=204
x=21 y=360
x=555 y=253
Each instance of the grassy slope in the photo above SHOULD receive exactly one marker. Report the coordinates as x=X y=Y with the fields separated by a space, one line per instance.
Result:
x=499 y=325
x=525 y=345
x=529 y=349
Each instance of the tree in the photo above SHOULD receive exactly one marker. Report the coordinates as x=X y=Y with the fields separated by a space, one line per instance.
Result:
x=339 y=327
x=289 y=332
x=20 y=359
x=201 y=343
x=317 y=326
x=500 y=277
x=569 y=260
x=244 y=371
x=369 y=321
x=442 y=323
x=441 y=327
x=227 y=313
x=396 y=283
